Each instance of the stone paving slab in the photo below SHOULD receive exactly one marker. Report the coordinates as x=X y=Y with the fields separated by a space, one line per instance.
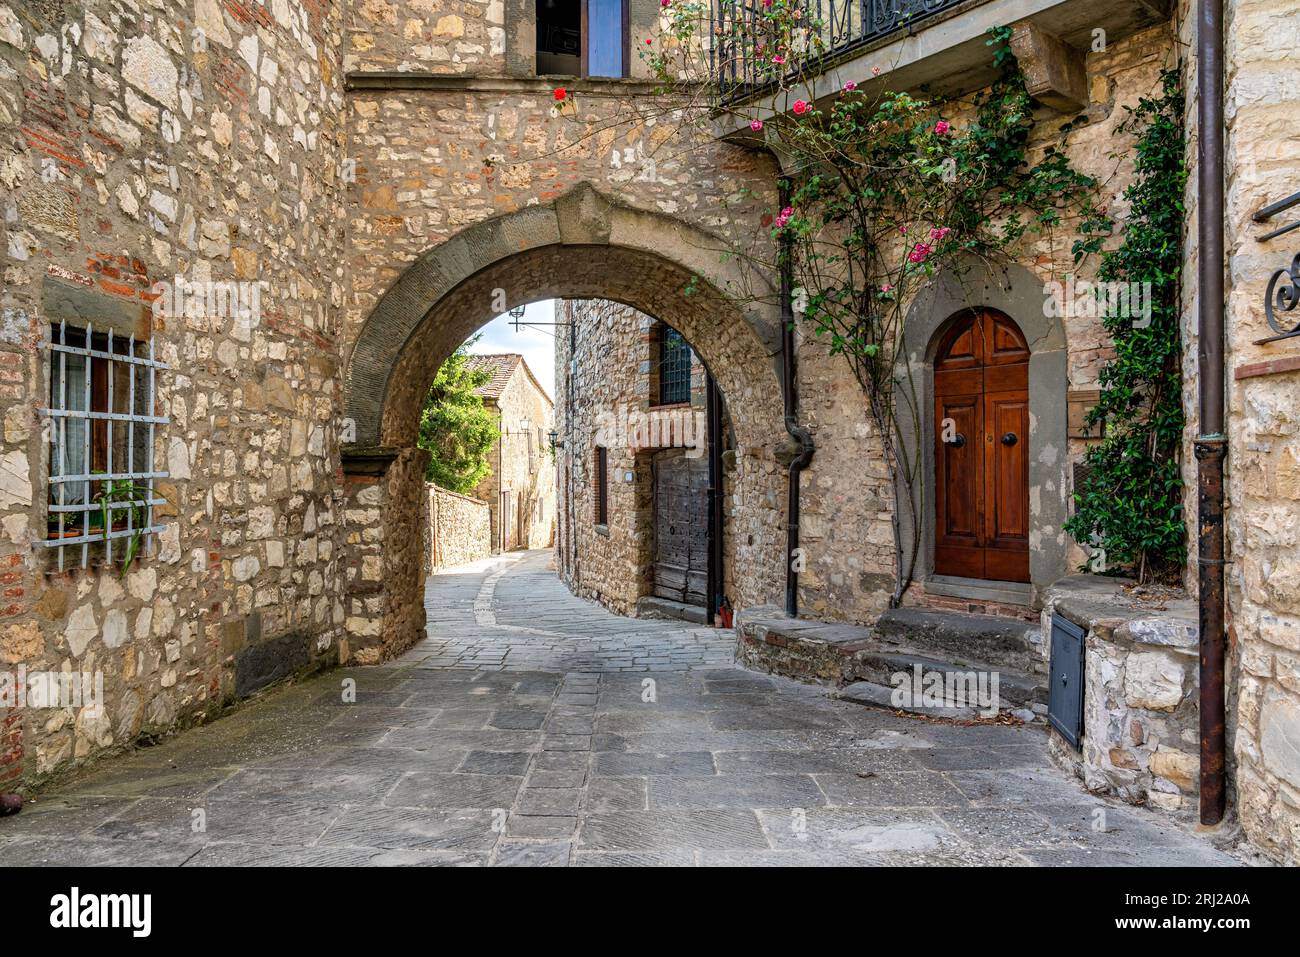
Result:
x=534 y=762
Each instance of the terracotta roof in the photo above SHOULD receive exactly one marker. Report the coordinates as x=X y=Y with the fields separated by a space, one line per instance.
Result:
x=502 y=366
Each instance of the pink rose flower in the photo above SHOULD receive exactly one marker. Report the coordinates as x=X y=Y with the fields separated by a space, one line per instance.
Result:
x=942 y=127
x=850 y=86
x=938 y=234
x=778 y=59
x=875 y=71
x=800 y=107
x=756 y=125
x=919 y=254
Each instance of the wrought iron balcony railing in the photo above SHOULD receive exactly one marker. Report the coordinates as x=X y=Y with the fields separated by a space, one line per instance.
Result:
x=743 y=41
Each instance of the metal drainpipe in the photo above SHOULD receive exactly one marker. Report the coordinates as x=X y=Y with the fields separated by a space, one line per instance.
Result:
x=713 y=433
x=575 y=566
x=1211 y=443
x=801 y=435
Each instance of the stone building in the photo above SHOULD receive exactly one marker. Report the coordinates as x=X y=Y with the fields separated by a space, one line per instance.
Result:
x=636 y=473
x=520 y=488
x=288 y=213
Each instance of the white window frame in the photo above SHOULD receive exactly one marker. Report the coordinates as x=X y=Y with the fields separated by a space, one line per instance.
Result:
x=59 y=413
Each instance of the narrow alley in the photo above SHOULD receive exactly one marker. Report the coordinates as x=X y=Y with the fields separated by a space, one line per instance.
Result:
x=535 y=728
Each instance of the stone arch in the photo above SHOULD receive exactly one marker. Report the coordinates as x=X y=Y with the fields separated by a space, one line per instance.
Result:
x=581 y=245
x=1018 y=293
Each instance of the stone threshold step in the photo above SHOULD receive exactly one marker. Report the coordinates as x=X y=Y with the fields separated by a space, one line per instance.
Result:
x=651 y=606
x=996 y=640
x=841 y=654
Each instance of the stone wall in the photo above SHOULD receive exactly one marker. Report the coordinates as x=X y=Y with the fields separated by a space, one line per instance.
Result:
x=140 y=142
x=522 y=465
x=435 y=36
x=845 y=528
x=460 y=529
x=610 y=377
x=1263 y=484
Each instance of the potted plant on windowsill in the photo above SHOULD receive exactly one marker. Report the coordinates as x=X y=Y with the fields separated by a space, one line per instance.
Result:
x=118 y=496
x=71 y=528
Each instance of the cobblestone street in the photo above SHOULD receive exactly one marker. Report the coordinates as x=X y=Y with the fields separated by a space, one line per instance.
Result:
x=534 y=728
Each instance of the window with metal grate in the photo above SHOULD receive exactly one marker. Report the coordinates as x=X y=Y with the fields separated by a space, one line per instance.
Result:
x=102 y=425
x=674 y=367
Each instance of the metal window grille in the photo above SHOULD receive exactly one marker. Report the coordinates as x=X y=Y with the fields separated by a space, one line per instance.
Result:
x=102 y=426
x=602 y=486
x=674 y=367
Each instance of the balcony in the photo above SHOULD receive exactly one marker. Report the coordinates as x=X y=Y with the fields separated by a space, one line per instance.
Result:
x=936 y=44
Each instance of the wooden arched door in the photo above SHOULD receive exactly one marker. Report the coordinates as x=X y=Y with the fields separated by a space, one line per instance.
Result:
x=981 y=428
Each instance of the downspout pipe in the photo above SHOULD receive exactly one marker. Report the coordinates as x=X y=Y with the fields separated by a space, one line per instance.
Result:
x=1211 y=442
x=713 y=435
x=801 y=435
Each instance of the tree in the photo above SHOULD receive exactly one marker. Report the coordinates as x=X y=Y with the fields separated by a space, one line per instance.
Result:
x=456 y=427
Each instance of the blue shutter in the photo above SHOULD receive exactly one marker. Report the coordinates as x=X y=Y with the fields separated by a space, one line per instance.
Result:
x=605 y=38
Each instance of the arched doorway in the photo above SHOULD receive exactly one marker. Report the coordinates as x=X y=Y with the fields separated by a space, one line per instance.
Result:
x=582 y=245
x=981 y=456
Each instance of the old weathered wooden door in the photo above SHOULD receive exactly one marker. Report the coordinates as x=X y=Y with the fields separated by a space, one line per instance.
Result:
x=681 y=511
x=981 y=425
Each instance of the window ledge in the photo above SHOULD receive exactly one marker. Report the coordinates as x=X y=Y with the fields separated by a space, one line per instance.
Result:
x=602 y=530
x=412 y=80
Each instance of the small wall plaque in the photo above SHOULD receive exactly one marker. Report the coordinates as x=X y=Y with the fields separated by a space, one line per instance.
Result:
x=1078 y=404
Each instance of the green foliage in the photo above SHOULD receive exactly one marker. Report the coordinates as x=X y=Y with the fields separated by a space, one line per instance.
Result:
x=122 y=495
x=456 y=427
x=886 y=189
x=1130 y=506
x=891 y=192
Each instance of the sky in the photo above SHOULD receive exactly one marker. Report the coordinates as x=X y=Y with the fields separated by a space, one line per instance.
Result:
x=535 y=344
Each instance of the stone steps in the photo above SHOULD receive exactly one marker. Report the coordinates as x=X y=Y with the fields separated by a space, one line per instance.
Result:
x=1005 y=642
x=867 y=659
x=652 y=606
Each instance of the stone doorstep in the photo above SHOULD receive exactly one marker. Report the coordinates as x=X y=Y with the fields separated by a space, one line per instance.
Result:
x=652 y=606
x=847 y=654
x=1008 y=643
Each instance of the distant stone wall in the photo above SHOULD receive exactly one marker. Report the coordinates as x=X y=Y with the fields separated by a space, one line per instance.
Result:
x=614 y=373
x=459 y=529
x=522 y=466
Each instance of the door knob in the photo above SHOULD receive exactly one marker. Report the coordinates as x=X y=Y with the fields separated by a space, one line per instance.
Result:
x=957 y=441
x=1009 y=439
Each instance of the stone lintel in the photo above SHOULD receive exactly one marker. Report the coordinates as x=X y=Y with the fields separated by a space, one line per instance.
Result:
x=88 y=306
x=368 y=460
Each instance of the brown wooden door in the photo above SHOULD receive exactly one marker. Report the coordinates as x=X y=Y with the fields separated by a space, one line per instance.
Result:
x=981 y=425
x=681 y=511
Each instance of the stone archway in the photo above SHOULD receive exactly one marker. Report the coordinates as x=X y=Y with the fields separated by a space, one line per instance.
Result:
x=582 y=245
x=1018 y=293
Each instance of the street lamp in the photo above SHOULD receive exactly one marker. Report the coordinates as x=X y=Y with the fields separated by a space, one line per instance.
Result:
x=555 y=440
x=517 y=313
